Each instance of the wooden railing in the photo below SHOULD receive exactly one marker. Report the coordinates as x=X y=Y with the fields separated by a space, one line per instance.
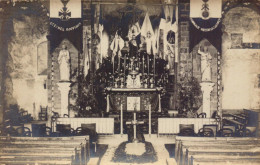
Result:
x=171 y=125
x=44 y=150
x=103 y=125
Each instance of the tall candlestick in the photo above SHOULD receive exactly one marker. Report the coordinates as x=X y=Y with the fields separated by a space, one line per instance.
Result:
x=150 y=118
x=119 y=61
x=148 y=67
x=121 y=120
x=113 y=58
x=143 y=72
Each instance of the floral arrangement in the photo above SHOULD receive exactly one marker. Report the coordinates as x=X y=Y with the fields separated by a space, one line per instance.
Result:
x=190 y=97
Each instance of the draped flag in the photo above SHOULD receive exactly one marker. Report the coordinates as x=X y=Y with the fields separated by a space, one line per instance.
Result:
x=87 y=57
x=65 y=22
x=134 y=31
x=117 y=45
x=148 y=32
x=100 y=32
x=168 y=25
x=205 y=18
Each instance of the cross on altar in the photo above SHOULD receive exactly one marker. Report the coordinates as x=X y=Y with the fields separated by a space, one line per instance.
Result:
x=134 y=122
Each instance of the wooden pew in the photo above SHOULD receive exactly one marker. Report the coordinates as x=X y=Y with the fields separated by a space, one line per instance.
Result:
x=198 y=155
x=225 y=161
x=179 y=139
x=188 y=148
x=218 y=150
x=214 y=147
x=44 y=150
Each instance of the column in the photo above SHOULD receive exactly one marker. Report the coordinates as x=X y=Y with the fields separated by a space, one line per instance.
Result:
x=121 y=120
x=206 y=88
x=64 y=88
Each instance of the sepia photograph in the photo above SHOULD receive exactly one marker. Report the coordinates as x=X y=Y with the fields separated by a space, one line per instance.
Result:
x=129 y=82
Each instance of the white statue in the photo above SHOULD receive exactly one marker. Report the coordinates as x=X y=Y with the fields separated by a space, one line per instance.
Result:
x=171 y=56
x=63 y=61
x=205 y=63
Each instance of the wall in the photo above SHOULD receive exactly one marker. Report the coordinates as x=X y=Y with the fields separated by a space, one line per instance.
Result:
x=27 y=86
x=241 y=59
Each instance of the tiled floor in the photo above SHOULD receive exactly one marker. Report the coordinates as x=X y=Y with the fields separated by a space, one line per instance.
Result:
x=113 y=142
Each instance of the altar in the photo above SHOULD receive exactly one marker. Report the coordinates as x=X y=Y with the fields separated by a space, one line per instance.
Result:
x=127 y=97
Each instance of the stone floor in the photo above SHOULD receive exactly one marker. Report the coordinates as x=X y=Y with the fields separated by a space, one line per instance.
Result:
x=114 y=141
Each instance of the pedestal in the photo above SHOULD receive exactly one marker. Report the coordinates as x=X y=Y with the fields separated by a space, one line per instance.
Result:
x=64 y=88
x=206 y=88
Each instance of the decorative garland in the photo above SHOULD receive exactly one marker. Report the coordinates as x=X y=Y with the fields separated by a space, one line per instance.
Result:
x=148 y=157
x=205 y=29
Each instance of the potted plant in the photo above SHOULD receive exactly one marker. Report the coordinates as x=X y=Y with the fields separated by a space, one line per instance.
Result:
x=190 y=98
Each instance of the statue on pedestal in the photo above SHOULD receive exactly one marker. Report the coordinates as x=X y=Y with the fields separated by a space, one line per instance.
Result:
x=64 y=62
x=170 y=56
x=205 y=64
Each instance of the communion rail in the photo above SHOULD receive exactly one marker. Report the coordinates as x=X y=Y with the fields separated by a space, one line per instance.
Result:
x=172 y=125
x=103 y=125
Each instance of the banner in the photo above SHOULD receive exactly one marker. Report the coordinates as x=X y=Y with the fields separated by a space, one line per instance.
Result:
x=205 y=22
x=205 y=9
x=66 y=22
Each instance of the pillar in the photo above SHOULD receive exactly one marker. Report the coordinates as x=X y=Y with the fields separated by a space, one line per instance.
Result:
x=206 y=88
x=64 y=88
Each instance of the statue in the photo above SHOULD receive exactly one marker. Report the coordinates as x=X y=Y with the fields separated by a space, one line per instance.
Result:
x=170 y=56
x=205 y=63
x=63 y=61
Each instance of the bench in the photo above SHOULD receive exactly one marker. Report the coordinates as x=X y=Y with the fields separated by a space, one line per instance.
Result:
x=205 y=150
x=44 y=150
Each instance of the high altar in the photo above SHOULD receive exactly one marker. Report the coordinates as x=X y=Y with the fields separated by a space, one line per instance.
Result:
x=140 y=58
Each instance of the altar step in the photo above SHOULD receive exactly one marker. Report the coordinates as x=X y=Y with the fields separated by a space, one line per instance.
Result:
x=106 y=139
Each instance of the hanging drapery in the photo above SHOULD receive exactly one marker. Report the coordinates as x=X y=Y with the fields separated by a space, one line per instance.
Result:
x=65 y=22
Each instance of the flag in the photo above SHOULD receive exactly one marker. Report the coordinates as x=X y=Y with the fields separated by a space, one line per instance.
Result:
x=87 y=57
x=134 y=31
x=168 y=26
x=100 y=31
x=116 y=46
x=66 y=22
x=205 y=22
x=150 y=38
x=147 y=26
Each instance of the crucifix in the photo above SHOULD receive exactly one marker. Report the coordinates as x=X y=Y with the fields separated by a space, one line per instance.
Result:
x=134 y=122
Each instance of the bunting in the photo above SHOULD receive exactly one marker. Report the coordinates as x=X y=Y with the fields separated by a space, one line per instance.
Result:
x=65 y=22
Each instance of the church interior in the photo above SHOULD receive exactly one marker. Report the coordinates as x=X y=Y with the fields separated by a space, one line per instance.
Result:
x=173 y=82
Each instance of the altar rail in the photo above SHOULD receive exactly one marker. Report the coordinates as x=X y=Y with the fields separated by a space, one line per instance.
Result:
x=103 y=125
x=171 y=125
